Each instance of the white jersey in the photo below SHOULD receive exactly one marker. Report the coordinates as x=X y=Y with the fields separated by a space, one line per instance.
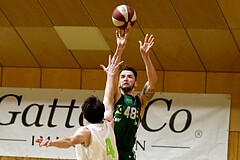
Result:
x=102 y=144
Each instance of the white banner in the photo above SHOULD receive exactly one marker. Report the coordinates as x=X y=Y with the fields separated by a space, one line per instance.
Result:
x=185 y=127
x=176 y=126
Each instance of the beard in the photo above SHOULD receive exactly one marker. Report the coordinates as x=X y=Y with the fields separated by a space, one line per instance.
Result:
x=127 y=88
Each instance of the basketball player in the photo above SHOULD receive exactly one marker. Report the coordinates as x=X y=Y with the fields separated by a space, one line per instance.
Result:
x=95 y=141
x=129 y=108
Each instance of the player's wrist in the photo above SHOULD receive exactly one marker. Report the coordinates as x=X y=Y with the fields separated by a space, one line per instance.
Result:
x=110 y=74
x=50 y=143
x=120 y=48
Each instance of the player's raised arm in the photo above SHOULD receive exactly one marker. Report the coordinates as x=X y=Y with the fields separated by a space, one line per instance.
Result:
x=108 y=100
x=149 y=88
x=121 y=38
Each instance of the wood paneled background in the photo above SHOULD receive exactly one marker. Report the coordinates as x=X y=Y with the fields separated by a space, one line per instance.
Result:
x=61 y=43
x=169 y=81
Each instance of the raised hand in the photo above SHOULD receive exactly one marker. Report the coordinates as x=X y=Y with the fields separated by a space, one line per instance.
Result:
x=113 y=65
x=121 y=36
x=147 y=45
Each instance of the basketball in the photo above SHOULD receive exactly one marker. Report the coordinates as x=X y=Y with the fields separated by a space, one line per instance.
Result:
x=124 y=17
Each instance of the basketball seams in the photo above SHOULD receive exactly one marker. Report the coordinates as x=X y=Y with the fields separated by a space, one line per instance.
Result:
x=130 y=13
x=118 y=15
x=124 y=17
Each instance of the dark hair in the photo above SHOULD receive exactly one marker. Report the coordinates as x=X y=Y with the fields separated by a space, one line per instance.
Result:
x=129 y=68
x=93 y=109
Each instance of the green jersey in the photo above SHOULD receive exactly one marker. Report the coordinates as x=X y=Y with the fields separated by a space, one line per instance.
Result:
x=126 y=123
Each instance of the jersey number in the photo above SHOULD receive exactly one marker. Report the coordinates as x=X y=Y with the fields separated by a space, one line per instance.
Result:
x=130 y=112
x=109 y=148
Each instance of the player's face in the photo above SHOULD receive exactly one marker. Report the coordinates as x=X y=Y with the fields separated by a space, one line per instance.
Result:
x=127 y=80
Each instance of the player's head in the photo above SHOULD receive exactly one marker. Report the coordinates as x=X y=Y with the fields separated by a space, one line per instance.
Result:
x=127 y=78
x=93 y=109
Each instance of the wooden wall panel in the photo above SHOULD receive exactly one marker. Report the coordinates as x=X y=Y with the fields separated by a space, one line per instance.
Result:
x=233 y=146
x=231 y=12
x=0 y=76
x=21 y=77
x=66 y=13
x=61 y=78
x=193 y=13
x=227 y=83
x=188 y=82
x=174 y=50
x=13 y=51
x=52 y=53
x=142 y=79
x=25 y=13
x=238 y=156
x=212 y=53
x=94 y=79
x=90 y=59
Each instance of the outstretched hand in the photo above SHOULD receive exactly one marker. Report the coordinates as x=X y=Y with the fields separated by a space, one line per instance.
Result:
x=121 y=36
x=147 y=45
x=113 y=65
x=43 y=142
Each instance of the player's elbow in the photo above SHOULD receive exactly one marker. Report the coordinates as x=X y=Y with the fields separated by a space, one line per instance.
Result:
x=154 y=82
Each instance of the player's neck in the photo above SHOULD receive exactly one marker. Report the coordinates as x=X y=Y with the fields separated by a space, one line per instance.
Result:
x=129 y=92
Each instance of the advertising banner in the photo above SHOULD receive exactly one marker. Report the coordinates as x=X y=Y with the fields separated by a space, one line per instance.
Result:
x=185 y=127
x=176 y=126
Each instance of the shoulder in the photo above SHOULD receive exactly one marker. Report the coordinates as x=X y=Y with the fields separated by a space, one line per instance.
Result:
x=118 y=97
x=82 y=131
x=146 y=95
x=138 y=99
x=107 y=122
x=81 y=136
x=118 y=94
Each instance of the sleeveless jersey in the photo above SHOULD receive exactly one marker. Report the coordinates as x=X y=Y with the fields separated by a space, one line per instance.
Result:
x=126 y=123
x=102 y=144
